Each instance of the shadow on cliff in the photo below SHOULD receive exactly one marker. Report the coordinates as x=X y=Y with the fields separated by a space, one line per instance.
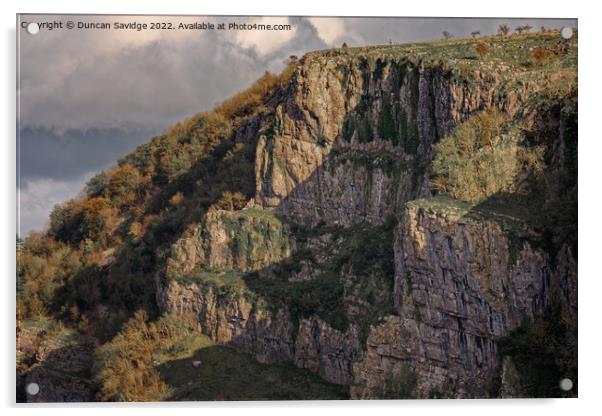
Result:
x=225 y=175
x=222 y=373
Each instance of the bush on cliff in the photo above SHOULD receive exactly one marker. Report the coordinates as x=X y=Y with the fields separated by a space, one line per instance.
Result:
x=483 y=156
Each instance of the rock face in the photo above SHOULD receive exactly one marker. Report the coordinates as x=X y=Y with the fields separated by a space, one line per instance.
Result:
x=243 y=240
x=308 y=167
x=461 y=282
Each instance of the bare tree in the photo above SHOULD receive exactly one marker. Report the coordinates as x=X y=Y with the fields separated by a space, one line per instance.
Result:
x=503 y=30
x=447 y=35
x=523 y=29
x=475 y=34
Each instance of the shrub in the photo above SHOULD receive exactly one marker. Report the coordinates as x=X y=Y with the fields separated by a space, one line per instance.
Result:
x=123 y=186
x=478 y=159
x=482 y=49
x=503 y=30
x=124 y=366
x=544 y=351
x=43 y=267
x=540 y=55
x=386 y=123
x=97 y=185
x=230 y=201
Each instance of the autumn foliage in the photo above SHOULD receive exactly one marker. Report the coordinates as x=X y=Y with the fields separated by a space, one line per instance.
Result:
x=482 y=49
x=540 y=55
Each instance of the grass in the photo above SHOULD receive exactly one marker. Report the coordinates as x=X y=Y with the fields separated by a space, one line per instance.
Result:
x=48 y=328
x=225 y=374
x=515 y=51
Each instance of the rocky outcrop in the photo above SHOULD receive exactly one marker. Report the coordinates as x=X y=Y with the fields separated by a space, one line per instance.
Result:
x=230 y=240
x=462 y=280
x=327 y=351
x=389 y=105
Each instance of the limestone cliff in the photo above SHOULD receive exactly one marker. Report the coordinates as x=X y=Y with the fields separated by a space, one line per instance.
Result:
x=348 y=145
x=463 y=279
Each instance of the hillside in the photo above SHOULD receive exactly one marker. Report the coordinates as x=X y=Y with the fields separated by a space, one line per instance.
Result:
x=382 y=222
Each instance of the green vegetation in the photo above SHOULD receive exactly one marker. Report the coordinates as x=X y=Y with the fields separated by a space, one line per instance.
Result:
x=392 y=123
x=483 y=157
x=42 y=331
x=124 y=366
x=398 y=384
x=130 y=215
x=544 y=352
x=390 y=163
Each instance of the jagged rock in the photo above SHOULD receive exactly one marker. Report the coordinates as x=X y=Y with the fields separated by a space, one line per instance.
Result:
x=327 y=351
x=463 y=277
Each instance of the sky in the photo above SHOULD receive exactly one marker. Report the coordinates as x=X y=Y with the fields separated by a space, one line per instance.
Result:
x=88 y=97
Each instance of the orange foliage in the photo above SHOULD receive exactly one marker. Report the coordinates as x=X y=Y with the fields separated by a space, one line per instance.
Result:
x=540 y=55
x=482 y=49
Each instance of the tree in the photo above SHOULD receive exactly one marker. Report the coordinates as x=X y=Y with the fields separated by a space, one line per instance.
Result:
x=523 y=29
x=124 y=184
x=475 y=33
x=97 y=185
x=94 y=219
x=447 y=35
x=503 y=30
x=482 y=49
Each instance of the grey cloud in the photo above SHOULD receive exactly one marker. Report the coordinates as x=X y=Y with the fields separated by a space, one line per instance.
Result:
x=48 y=154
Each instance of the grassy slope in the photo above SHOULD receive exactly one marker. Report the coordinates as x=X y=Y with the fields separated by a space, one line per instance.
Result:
x=225 y=374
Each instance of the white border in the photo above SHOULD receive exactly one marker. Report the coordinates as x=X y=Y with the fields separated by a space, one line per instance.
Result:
x=590 y=151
